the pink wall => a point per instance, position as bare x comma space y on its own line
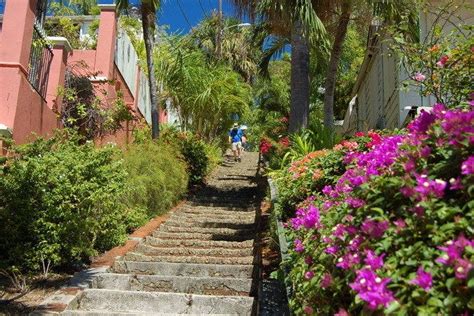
21, 108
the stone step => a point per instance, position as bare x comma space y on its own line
158, 303
184, 269
216, 211
152, 241
135, 256
202, 236
105, 313
246, 216
210, 223
191, 251
205, 230
226, 206
157, 283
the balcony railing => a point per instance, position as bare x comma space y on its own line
40, 60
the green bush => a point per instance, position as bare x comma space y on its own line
58, 203
157, 178
200, 157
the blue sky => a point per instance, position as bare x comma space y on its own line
181, 15
171, 14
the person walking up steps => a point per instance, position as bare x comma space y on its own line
235, 138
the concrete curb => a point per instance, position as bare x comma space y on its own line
282, 240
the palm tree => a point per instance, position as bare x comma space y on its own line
390, 11
300, 18
148, 10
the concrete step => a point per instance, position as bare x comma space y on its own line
210, 223
157, 242
158, 303
201, 236
246, 216
223, 207
192, 251
157, 283
184, 269
105, 313
217, 211
214, 218
205, 230
135, 256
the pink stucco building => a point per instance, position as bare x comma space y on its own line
30, 74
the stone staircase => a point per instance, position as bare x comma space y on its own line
202, 260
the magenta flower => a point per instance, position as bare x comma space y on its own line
355, 202
462, 268
348, 261
442, 62
298, 245
326, 281
422, 123
355, 243
373, 228
308, 260
419, 77
373, 261
332, 250
400, 224
309, 275
423, 279
455, 184
327, 190
312, 218
467, 167
308, 310
372, 289
342, 312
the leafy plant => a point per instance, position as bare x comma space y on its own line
59, 203
157, 178
84, 106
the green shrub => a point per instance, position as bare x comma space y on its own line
58, 203
157, 177
199, 156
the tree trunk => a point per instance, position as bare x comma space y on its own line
148, 23
336, 53
299, 106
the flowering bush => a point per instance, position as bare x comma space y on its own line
442, 64
386, 225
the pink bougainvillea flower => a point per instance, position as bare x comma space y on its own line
400, 224
359, 134
342, 312
355, 202
308, 260
355, 243
422, 123
326, 281
455, 184
332, 250
372, 289
312, 218
348, 261
298, 245
423, 279
419, 77
373, 228
462, 268
309, 275
372, 260
467, 167
442, 62
308, 310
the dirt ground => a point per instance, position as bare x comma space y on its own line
15, 303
